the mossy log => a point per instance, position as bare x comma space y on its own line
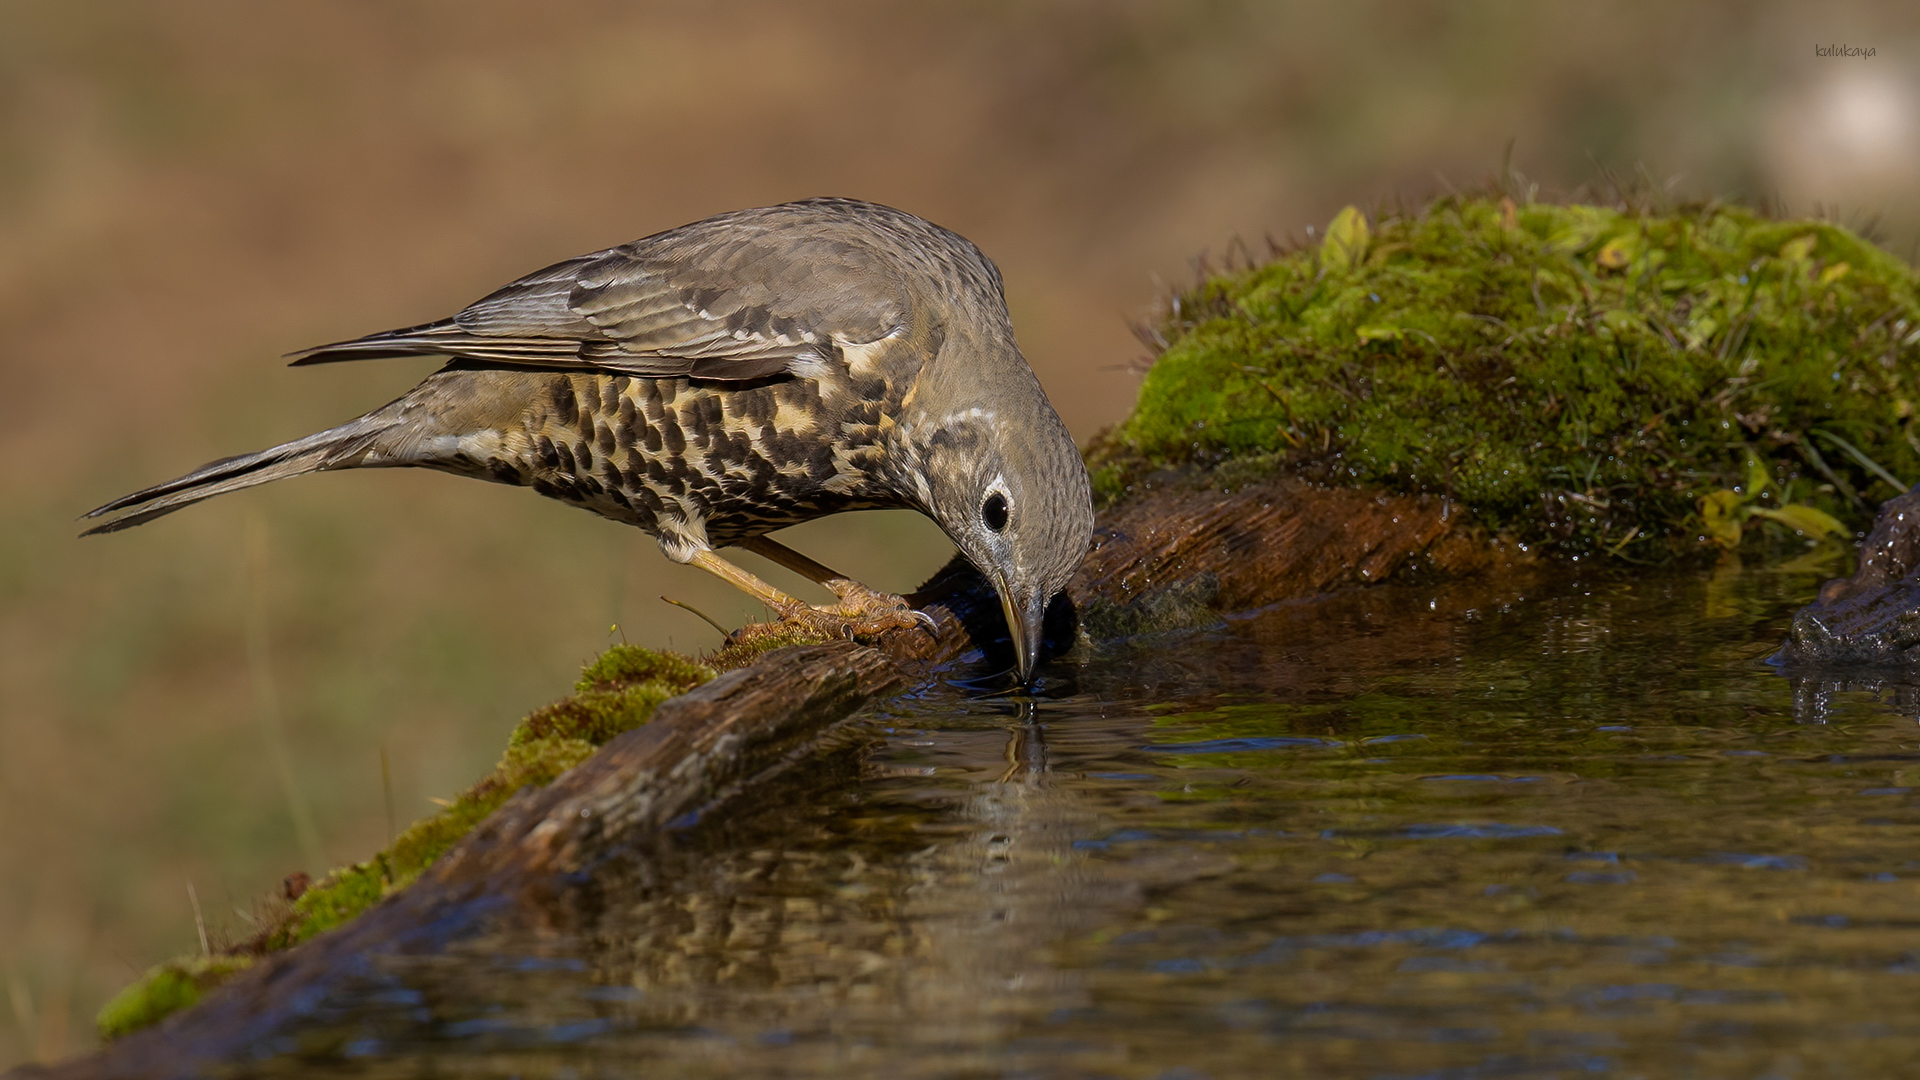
1175, 555
1329, 449
697, 748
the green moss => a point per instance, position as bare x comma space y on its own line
1577, 376
164, 990
350, 890
627, 665
754, 640
617, 692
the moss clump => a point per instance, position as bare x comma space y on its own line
616, 693
630, 665
754, 640
1577, 376
164, 990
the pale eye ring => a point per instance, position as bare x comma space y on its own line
994, 512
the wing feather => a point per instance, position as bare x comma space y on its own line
740, 296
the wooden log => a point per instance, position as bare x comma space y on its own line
697, 749
1184, 553
1177, 555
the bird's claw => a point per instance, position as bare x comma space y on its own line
861, 612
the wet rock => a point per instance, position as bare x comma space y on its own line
1872, 618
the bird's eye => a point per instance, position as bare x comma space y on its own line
994, 511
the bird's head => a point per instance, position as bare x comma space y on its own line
1007, 484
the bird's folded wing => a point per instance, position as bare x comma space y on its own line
719, 300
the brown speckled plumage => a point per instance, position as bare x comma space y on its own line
718, 381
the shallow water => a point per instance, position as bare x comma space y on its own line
1499, 830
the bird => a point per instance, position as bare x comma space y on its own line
718, 381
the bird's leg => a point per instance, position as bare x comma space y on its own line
856, 600
830, 620
781, 555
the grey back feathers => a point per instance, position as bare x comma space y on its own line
737, 297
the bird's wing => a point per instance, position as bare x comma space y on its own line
731, 298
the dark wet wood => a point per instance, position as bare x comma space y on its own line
1872, 618
1274, 541
1184, 554
697, 749
1175, 556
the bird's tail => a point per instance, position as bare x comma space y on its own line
336, 448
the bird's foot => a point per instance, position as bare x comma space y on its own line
858, 601
861, 612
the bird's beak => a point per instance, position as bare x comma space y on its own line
1025, 617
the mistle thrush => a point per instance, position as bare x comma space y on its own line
715, 382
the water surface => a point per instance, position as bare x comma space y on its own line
1512, 830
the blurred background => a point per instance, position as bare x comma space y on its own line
188, 190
